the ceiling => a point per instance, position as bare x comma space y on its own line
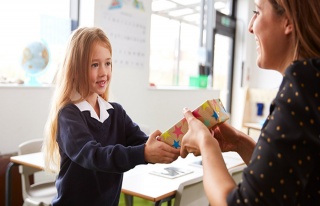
187, 11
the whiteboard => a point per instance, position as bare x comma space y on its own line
126, 25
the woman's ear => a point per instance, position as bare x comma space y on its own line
288, 26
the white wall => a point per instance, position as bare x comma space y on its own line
23, 113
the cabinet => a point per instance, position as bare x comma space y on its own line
16, 181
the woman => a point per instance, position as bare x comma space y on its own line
283, 167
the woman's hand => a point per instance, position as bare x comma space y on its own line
197, 133
231, 139
227, 137
159, 152
216, 178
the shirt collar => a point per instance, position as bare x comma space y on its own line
103, 105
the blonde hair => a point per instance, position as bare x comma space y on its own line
71, 78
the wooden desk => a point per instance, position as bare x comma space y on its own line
137, 181
140, 183
33, 160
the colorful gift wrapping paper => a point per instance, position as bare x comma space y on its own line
211, 113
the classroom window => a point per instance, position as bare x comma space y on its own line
177, 41
173, 55
26, 21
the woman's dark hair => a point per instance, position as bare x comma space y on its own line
305, 17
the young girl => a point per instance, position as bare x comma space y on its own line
91, 141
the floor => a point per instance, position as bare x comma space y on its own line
136, 201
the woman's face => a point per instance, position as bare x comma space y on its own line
271, 36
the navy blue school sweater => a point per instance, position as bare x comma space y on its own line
95, 153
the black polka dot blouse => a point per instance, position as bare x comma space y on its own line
285, 166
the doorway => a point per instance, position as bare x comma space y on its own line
223, 57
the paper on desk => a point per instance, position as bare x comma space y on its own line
171, 172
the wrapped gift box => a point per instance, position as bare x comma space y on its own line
210, 113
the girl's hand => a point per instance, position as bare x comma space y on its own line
159, 152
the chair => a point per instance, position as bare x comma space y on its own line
38, 187
250, 118
191, 193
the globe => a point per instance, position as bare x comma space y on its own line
35, 58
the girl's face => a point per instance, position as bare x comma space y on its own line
100, 70
271, 36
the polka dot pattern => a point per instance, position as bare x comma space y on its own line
285, 166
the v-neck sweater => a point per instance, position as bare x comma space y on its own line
95, 154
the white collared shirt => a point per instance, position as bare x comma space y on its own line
103, 105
